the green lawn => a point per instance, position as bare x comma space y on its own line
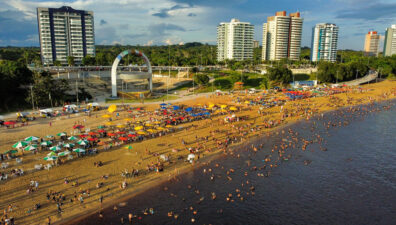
164, 97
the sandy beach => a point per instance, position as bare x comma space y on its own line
203, 134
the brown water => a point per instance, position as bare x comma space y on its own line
353, 182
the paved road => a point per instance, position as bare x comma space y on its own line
369, 77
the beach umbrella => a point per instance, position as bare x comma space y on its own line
78, 150
32, 138
72, 138
157, 122
51, 154
55, 148
148, 125
65, 153
106, 116
176, 107
10, 151
82, 142
30, 148
83, 135
101, 127
168, 126
109, 123
163, 104
46, 143
78, 126
50, 158
129, 147
68, 145
92, 133
120, 132
223, 106
61, 134
112, 108
190, 157
189, 109
139, 128
122, 138
128, 119
141, 132
111, 134
233, 108
160, 128
151, 130
101, 131
121, 126
49, 136
92, 139
20, 144
9, 123
131, 135
247, 102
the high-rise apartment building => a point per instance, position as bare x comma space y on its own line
256, 44
235, 40
390, 41
324, 42
65, 32
371, 44
282, 36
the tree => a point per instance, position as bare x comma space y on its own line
57, 63
70, 60
201, 79
280, 74
88, 60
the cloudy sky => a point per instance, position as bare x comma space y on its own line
159, 22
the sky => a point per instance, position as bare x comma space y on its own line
162, 22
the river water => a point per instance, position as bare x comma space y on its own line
347, 178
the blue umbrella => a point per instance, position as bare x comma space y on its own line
206, 113
175, 107
189, 109
162, 104
203, 109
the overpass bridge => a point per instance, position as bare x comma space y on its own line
371, 76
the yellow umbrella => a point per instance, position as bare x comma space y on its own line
223, 106
148, 125
127, 119
142, 132
160, 128
120, 126
106, 116
211, 105
168, 126
247, 102
151, 130
112, 108
157, 122
109, 123
233, 108
138, 128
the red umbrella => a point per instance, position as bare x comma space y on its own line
9, 123
101, 131
131, 135
92, 133
121, 132
78, 126
122, 138
92, 139
111, 134
83, 135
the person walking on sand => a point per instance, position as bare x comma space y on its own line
49, 220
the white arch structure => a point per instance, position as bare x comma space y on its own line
148, 75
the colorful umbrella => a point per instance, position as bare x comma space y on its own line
20, 144
65, 153
111, 134
106, 116
68, 145
32, 138
46, 143
129, 147
122, 138
78, 126
141, 132
78, 150
101, 131
55, 148
61, 134
49, 136
10, 152
51, 154
82, 142
93, 133
50, 158
112, 108
30, 148
72, 138
139, 128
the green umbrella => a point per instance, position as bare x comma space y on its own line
68, 145
50, 158
61, 134
51, 154
78, 150
65, 153
30, 148
129, 147
32, 138
46, 143
55, 148
49, 136
82, 142
20, 144
101, 127
11, 151
72, 138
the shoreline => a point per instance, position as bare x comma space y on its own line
188, 168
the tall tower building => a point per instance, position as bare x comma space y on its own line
324, 42
390, 41
235, 40
65, 32
371, 44
282, 36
